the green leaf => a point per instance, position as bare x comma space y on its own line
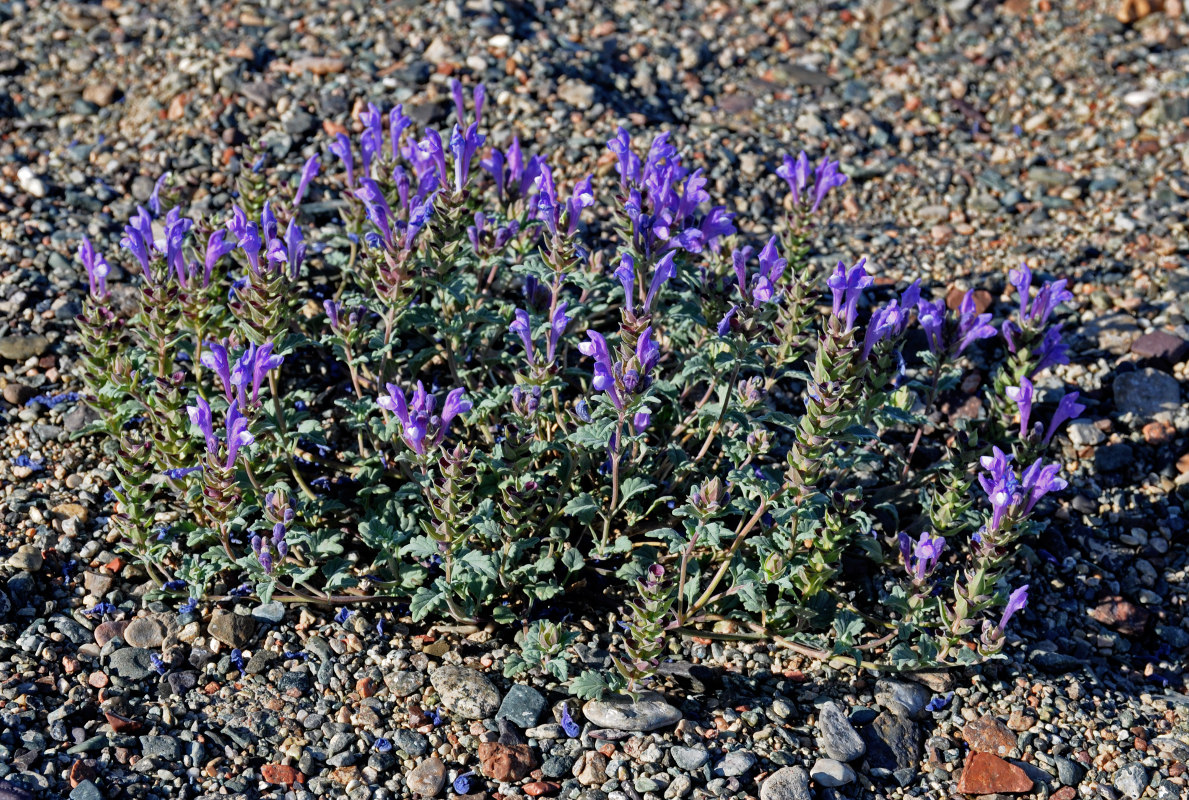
582, 507
590, 685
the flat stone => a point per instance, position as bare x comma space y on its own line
893, 742
1121, 615
839, 738
1084, 433
735, 763
1114, 332
1131, 780
830, 773
987, 734
1146, 392
132, 663
787, 783
1161, 346
145, 632
106, 631
404, 683
903, 698
505, 763
233, 630
689, 758
522, 705
427, 778
984, 773
10, 791
163, 747
86, 790
466, 692
622, 714
27, 557
281, 774
22, 348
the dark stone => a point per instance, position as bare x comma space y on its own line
893, 743
1113, 457
1162, 346
693, 678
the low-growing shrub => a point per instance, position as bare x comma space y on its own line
468, 398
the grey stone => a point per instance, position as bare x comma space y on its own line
839, 738
787, 783
84, 791
1114, 457
466, 692
269, 612
622, 714
831, 773
1146, 392
905, 699
404, 683
735, 763
413, 743
893, 742
164, 747
689, 758
522, 705
145, 632
27, 557
1131, 780
132, 663
576, 93
1084, 434
234, 630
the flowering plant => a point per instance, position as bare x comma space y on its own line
464, 398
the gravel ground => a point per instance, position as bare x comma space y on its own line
977, 134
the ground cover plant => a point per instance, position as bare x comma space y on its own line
494, 395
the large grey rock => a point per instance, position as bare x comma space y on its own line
893, 742
234, 630
622, 714
522, 705
132, 663
1146, 393
787, 783
1131, 780
902, 697
466, 692
735, 763
839, 738
689, 758
831, 773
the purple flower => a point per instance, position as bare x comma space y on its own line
251, 369
825, 178
135, 242
200, 416
343, 614
629, 162
522, 328
188, 606
333, 309
796, 174
176, 228
372, 139
647, 352
464, 145
926, 552
97, 268
308, 173
341, 147
238, 435
724, 324
641, 421
972, 325
416, 416
1052, 350
1068, 408
214, 357
397, 122
216, 248
1015, 603
567, 722
155, 197
157, 664
847, 286
603, 373
237, 659
376, 207
582, 197
1022, 396
557, 326
663, 271
382, 745
248, 236
295, 248
1038, 480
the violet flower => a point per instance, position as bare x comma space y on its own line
1022, 396
97, 268
308, 173
216, 248
416, 417
1067, 408
376, 207
214, 357
972, 325
724, 324
662, 272
155, 197
604, 375
341, 147
372, 139
463, 146
295, 248
629, 162
557, 326
1038, 480
200, 416
238, 435
796, 174
847, 286
397, 122
825, 178
568, 725
521, 327
1015, 603
248, 236
890, 321
925, 554
251, 370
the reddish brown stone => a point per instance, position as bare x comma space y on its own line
81, 771
505, 763
984, 773
366, 687
1121, 615
281, 773
1064, 793
121, 724
97, 680
954, 297
989, 735
1158, 432
538, 788
106, 631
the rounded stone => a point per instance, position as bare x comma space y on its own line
466, 692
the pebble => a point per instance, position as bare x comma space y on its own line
466, 692
145, 632
621, 713
427, 778
27, 557
787, 783
132, 663
1131, 780
523, 705
830, 773
1146, 393
232, 629
689, 758
31, 182
839, 739
984, 773
735, 763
